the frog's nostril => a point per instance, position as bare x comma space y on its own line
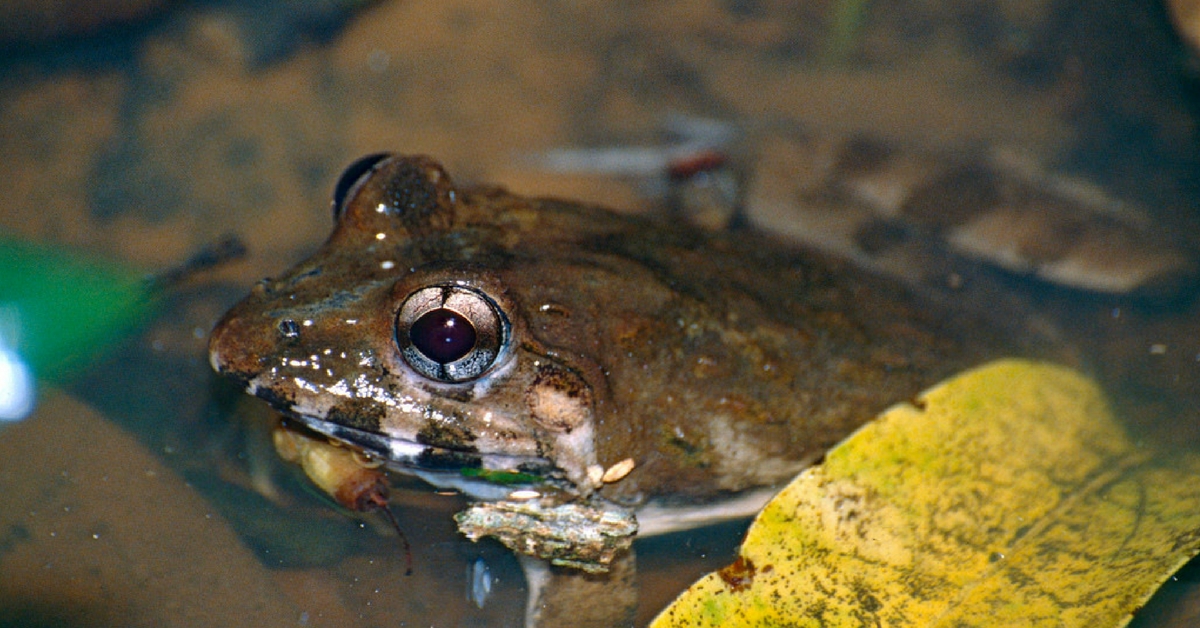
289, 329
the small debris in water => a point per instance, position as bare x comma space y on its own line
618, 471
479, 582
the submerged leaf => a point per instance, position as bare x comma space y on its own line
1011, 497
59, 308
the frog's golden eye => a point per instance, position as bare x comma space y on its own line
450, 333
350, 176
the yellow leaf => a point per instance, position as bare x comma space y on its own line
1010, 498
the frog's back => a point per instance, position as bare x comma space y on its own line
721, 361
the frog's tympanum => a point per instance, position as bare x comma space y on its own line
565, 366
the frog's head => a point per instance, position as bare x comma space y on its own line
400, 337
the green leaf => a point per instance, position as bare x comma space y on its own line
501, 477
59, 308
1010, 498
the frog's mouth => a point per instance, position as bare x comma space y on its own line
479, 475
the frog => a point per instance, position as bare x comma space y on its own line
609, 371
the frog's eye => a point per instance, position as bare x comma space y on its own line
450, 333
351, 175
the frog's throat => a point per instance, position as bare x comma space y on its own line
438, 466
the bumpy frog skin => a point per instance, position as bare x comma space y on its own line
460, 332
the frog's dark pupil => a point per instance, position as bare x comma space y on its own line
442, 335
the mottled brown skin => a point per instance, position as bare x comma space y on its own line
718, 362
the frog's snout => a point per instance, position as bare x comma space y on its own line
218, 341
235, 347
